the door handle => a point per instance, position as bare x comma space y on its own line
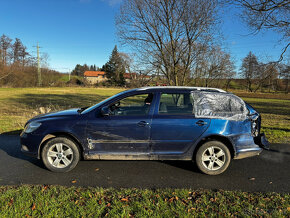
201, 123
142, 123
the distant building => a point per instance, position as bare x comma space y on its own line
94, 77
130, 76
134, 76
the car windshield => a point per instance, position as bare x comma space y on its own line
102, 102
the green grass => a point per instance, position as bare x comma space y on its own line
20, 104
59, 201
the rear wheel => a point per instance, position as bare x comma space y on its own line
213, 158
60, 154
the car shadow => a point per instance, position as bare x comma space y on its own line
10, 144
185, 165
277, 151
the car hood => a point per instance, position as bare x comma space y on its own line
64, 113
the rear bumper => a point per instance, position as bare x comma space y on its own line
248, 152
262, 141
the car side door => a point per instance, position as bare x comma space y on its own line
126, 130
174, 128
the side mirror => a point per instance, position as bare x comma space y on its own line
105, 111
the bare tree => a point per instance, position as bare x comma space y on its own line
267, 75
215, 64
284, 70
166, 32
267, 14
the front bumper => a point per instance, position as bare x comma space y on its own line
30, 144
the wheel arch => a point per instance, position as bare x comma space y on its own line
225, 140
60, 134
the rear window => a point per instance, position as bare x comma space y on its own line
219, 105
176, 103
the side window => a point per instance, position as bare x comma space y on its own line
134, 105
179, 103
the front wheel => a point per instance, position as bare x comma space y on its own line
213, 158
60, 154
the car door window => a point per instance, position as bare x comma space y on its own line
176, 103
135, 105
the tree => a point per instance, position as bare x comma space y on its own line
5, 45
115, 69
93, 67
284, 70
19, 52
213, 64
250, 70
266, 14
80, 70
166, 32
268, 73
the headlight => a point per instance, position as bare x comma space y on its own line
30, 127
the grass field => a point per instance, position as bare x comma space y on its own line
20, 104
58, 201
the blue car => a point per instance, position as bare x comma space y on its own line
205, 125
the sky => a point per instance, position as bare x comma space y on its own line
83, 31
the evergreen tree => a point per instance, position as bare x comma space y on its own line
115, 69
77, 70
80, 69
17, 50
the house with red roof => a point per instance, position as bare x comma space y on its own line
94, 77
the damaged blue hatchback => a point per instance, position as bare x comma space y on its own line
205, 125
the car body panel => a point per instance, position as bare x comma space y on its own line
163, 137
175, 134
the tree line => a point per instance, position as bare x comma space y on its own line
18, 67
178, 39
176, 42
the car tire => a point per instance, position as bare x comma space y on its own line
60, 154
213, 158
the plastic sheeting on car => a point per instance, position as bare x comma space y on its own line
219, 106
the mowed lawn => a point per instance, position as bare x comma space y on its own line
17, 105
58, 201
20, 104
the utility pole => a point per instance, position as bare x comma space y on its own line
38, 66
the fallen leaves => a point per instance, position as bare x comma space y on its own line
124, 200
10, 202
33, 207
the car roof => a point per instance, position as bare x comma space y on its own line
161, 88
